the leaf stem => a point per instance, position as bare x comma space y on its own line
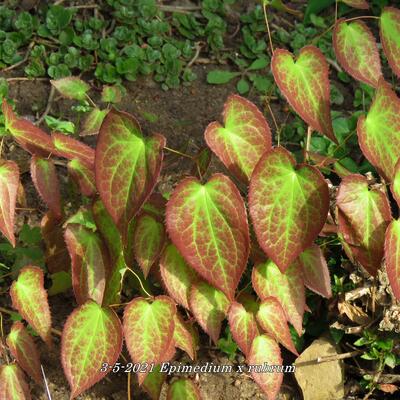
308, 143
361, 17
90, 100
268, 30
140, 281
178, 152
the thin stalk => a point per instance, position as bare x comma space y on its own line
268, 30
140, 282
308, 143
178, 152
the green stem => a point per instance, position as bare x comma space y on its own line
140, 282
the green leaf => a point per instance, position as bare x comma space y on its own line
93, 121
71, 87
243, 139
243, 86
357, 51
183, 388
149, 330
61, 282
209, 306
260, 63
219, 77
92, 336
392, 256
213, 217
379, 132
305, 84
288, 205
59, 125
111, 94
127, 166
12, 383
390, 36
184, 337
30, 299
83, 176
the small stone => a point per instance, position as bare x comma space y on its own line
237, 382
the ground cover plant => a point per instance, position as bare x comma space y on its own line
239, 248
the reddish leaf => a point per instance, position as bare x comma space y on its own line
70, 148
149, 330
71, 87
389, 32
154, 382
183, 388
92, 336
208, 225
93, 121
315, 271
243, 326
83, 176
28, 136
305, 84
395, 186
243, 139
266, 350
363, 219
379, 131
183, 336
90, 263
9, 182
209, 306
12, 383
272, 320
357, 51
287, 287
23, 349
29, 297
177, 276
392, 256
361, 4
288, 205
127, 166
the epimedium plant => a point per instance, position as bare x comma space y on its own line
208, 242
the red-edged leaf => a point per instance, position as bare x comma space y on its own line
127, 166
209, 306
148, 241
90, 263
83, 176
265, 350
272, 320
93, 121
395, 186
149, 330
9, 182
288, 288
243, 326
392, 256
315, 271
92, 336
29, 297
243, 139
71, 87
44, 177
176, 275
357, 51
208, 225
379, 131
360, 4
363, 219
288, 204
305, 84
154, 382
390, 34
12, 383
183, 388
29, 137
70, 148
183, 336
23, 349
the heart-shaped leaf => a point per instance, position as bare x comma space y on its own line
209, 306
127, 166
272, 320
392, 256
44, 177
390, 36
363, 219
148, 241
177, 276
243, 139
287, 287
288, 205
154, 382
83, 176
29, 297
93, 121
212, 217
315, 271
305, 84
23, 349
379, 131
26, 134
71, 87
9, 182
360, 4
243, 326
92, 336
12, 383
357, 51
149, 330
266, 350
183, 388
183, 336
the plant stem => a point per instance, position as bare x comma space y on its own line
48, 106
336, 357
308, 143
178, 152
140, 282
269, 32
361, 17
